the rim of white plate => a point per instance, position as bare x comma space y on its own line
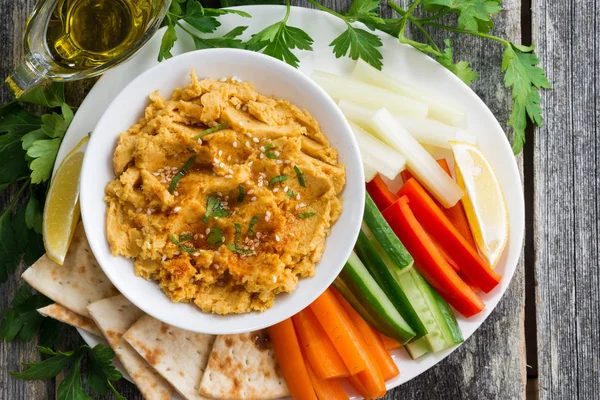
397, 59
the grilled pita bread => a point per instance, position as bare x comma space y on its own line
114, 316
77, 283
243, 367
179, 356
63, 314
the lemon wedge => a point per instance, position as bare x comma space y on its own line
61, 211
484, 202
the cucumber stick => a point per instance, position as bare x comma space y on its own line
447, 326
357, 279
418, 348
385, 277
387, 239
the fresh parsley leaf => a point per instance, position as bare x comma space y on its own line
19, 122
196, 17
34, 214
14, 164
34, 249
291, 193
52, 96
268, 153
525, 78
242, 194
8, 257
184, 170
22, 321
358, 43
278, 40
235, 246
306, 215
45, 369
214, 208
215, 237
211, 130
474, 15
43, 153
31, 137
462, 69
101, 370
182, 246
70, 388
228, 40
186, 237
277, 179
235, 3
253, 222
168, 40
300, 176
365, 12
55, 125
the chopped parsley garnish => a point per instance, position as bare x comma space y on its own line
183, 247
242, 194
186, 236
188, 164
306, 215
291, 193
211, 130
253, 222
276, 179
214, 208
268, 153
300, 176
235, 246
215, 236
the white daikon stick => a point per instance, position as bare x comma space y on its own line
439, 109
370, 173
420, 162
378, 155
426, 131
355, 91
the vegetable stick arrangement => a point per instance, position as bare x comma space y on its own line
422, 254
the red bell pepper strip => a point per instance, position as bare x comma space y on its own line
429, 261
380, 193
448, 237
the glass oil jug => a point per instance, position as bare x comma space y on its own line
75, 39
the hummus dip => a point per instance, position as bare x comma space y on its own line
224, 196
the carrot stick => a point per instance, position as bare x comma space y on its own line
358, 385
406, 174
326, 389
343, 335
317, 348
389, 343
429, 261
432, 218
380, 193
289, 357
382, 358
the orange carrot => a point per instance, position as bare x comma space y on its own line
389, 343
289, 356
382, 358
435, 222
343, 335
406, 174
358, 385
429, 261
317, 348
380, 193
326, 389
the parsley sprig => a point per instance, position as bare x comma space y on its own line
214, 208
278, 40
100, 376
235, 246
199, 22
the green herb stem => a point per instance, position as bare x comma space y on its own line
468, 32
327, 10
16, 197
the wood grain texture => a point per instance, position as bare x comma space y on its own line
566, 201
489, 365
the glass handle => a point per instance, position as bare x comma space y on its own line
27, 75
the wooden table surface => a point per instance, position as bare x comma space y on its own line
543, 338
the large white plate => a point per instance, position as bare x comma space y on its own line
399, 60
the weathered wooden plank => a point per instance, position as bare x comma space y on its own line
491, 364
495, 348
12, 23
566, 201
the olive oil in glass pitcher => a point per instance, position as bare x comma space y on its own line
74, 39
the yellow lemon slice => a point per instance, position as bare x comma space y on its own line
484, 202
61, 211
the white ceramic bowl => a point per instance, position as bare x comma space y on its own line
270, 77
